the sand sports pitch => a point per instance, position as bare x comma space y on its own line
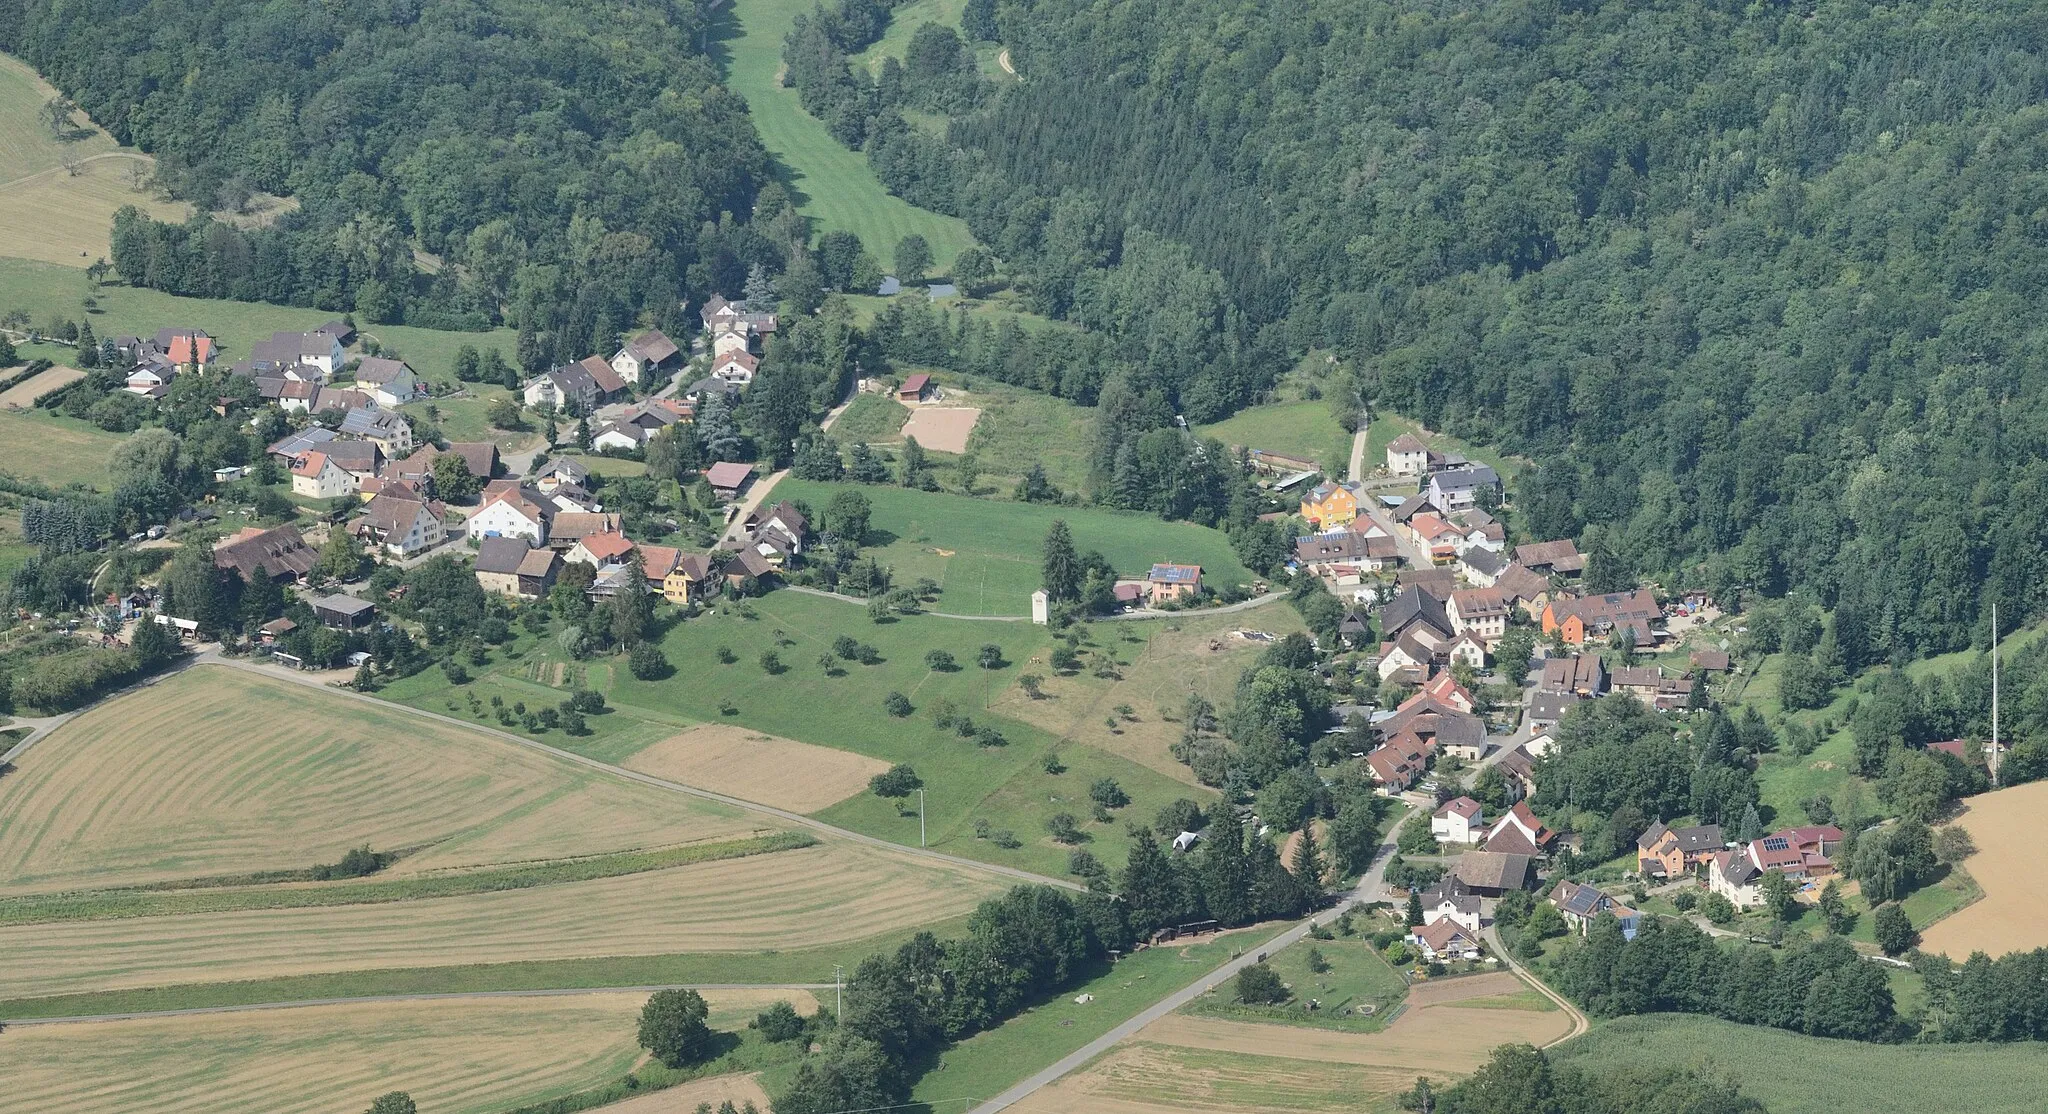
1182, 1062
829, 894
2013, 915
459, 1056
942, 428
752, 766
216, 771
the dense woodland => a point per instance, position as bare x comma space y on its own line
579, 162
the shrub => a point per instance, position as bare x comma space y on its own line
1259, 985
726, 656
780, 1022
897, 781
1685, 900
1005, 839
647, 663
897, 704
356, 863
939, 661
1717, 909
988, 736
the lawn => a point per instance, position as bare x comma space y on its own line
833, 185
987, 1063
1356, 976
1020, 428
45, 290
54, 450
986, 554
1386, 426
1304, 429
1793, 1074
58, 196
464, 418
873, 419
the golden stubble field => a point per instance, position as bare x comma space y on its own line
747, 764
1197, 654
829, 894
215, 771
2013, 914
455, 1056
1183, 1063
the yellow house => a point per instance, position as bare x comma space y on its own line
689, 574
1329, 505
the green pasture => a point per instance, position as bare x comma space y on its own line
1356, 976
1304, 429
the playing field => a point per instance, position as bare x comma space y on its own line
463, 1055
55, 451
2013, 916
23, 395
1793, 1074
755, 767
792, 899
833, 185
986, 555
1304, 429
943, 429
1168, 660
58, 195
216, 771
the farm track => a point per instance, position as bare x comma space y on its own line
212, 657
1124, 617
253, 1007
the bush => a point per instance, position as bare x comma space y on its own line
1258, 985
1064, 829
897, 704
897, 781
357, 863
647, 663
1685, 900
780, 1022
939, 661
1005, 839
1717, 909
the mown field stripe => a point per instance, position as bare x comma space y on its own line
98, 905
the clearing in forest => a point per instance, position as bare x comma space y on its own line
752, 766
459, 1056
2013, 916
216, 771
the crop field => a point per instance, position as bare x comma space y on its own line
475, 1055
756, 767
216, 772
2013, 916
24, 395
55, 451
1168, 659
986, 555
686, 1098
1004, 785
1794, 1074
833, 185
58, 195
1304, 429
45, 290
1141, 1077
821, 895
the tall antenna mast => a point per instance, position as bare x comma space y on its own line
1994, 694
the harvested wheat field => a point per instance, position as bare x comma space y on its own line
942, 428
685, 1098
23, 395
214, 771
2013, 915
746, 764
460, 1056
1201, 654
1140, 1077
792, 899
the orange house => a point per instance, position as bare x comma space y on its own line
1329, 505
1598, 616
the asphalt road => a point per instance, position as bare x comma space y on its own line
1368, 885
255, 1006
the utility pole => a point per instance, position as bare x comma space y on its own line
838, 992
920, 805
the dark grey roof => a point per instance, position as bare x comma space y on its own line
1414, 605
1465, 476
1483, 560
500, 555
343, 605
1550, 707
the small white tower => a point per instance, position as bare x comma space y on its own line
1041, 607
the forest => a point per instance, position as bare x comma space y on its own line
1748, 282
568, 168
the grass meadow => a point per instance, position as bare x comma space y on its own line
1356, 976
54, 450
1793, 1074
1304, 429
833, 185
985, 554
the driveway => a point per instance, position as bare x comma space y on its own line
763, 487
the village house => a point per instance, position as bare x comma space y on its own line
1639, 681
748, 565
1491, 873
1665, 852
1399, 762
1407, 456
1580, 674
1559, 558
577, 388
650, 352
1582, 905
1710, 661
360, 459
1456, 488
1528, 590
1800, 854
497, 563
390, 382
1329, 505
1445, 690
1405, 659
1433, 533
511, 510
1482, 566
570, 527
313, 356
1173, 582
1519, 832
1437, 582
560, 470
1332, 554
1481, 612
1444, 940
1459, 820
185, 347
1547, 709
387, 429
621, 437
294, 445
1467, 651
1418, 612
400, 522
735, 368
599, 550
1451, 899
279, 553
728, 479
1518, 767
1577, 619
726, 341
686, 581
316, 476
344, 613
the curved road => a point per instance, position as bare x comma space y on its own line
212, 657
449, 996
1580, 1024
